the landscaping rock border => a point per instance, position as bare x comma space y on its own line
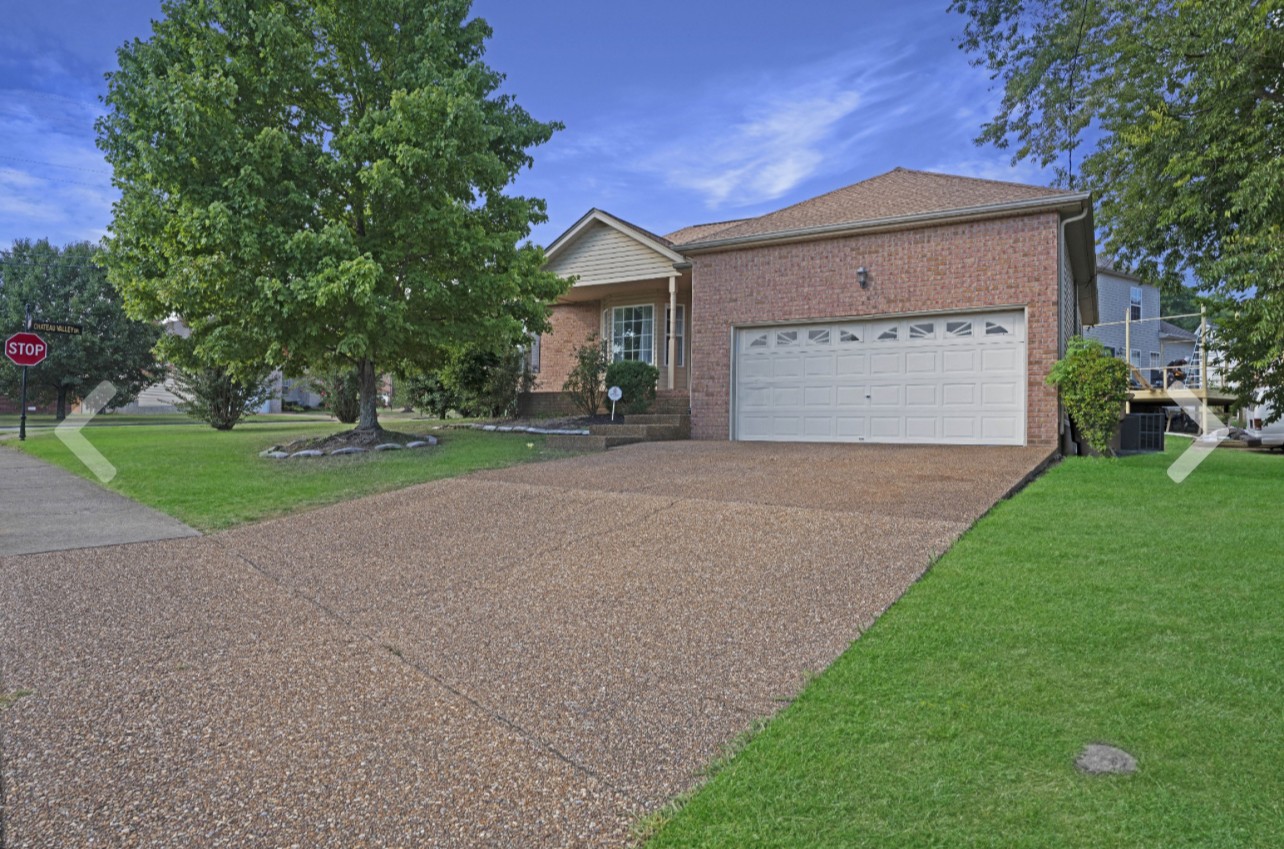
546, 431
275, 452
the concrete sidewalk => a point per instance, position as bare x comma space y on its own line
43, 508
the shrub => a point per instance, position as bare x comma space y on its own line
636, 380
340, 394
428, 394
484, 382
214, 395
1094, 387
584, 383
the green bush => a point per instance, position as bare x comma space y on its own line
340, 394
427, 394
215, 396
1094, 387
636, 380
486, 383
584, 383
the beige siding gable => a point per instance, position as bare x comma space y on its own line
603, 254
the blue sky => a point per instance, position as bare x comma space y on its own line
676, 113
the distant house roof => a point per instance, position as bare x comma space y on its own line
898, 194
1168, 330
1113, 272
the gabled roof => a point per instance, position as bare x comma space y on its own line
1168, 330
899, 194
659, 244
1122, 275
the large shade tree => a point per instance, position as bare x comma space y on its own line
67, 285
1175, 112
321, 185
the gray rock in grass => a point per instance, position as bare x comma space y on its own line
1103, 759
351, 449
389, 446
309, 452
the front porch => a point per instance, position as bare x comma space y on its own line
632, 291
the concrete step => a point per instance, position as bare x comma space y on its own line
587, 442
648, 432
679, 419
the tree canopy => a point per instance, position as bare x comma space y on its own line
1177, 107
67, 285
322, 185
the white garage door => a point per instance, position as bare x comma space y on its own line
942, 378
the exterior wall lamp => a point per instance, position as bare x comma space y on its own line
862, 275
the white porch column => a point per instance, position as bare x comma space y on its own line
672, 325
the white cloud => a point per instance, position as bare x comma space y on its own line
996, 165
777, 146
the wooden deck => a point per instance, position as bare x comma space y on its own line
1212, 397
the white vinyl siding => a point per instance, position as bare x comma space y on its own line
1069, 301
605, 255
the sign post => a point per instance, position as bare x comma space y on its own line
615, 394
25, 349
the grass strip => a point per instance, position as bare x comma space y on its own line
1104, 603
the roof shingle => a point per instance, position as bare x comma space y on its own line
899, 192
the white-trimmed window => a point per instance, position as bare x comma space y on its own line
532, 354
633, 333
1134, 302
1136, 357
1154, 359
679, 333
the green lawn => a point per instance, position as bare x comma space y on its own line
1102, 604
214, 480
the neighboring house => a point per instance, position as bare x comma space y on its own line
911, 307
1131, 326
1129, 311
161, 397
1176, 343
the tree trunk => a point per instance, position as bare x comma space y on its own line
367, 387
62, 403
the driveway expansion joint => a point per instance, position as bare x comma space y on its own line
400, 657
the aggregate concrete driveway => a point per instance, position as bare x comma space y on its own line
529, 657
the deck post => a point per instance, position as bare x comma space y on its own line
1203, 367
1128, 349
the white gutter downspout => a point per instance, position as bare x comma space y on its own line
1062, 418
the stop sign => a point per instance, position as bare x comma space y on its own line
25, 349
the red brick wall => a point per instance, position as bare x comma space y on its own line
1005, 262
571, 325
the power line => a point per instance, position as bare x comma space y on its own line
53, 164
47, 179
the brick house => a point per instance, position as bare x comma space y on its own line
911, 307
